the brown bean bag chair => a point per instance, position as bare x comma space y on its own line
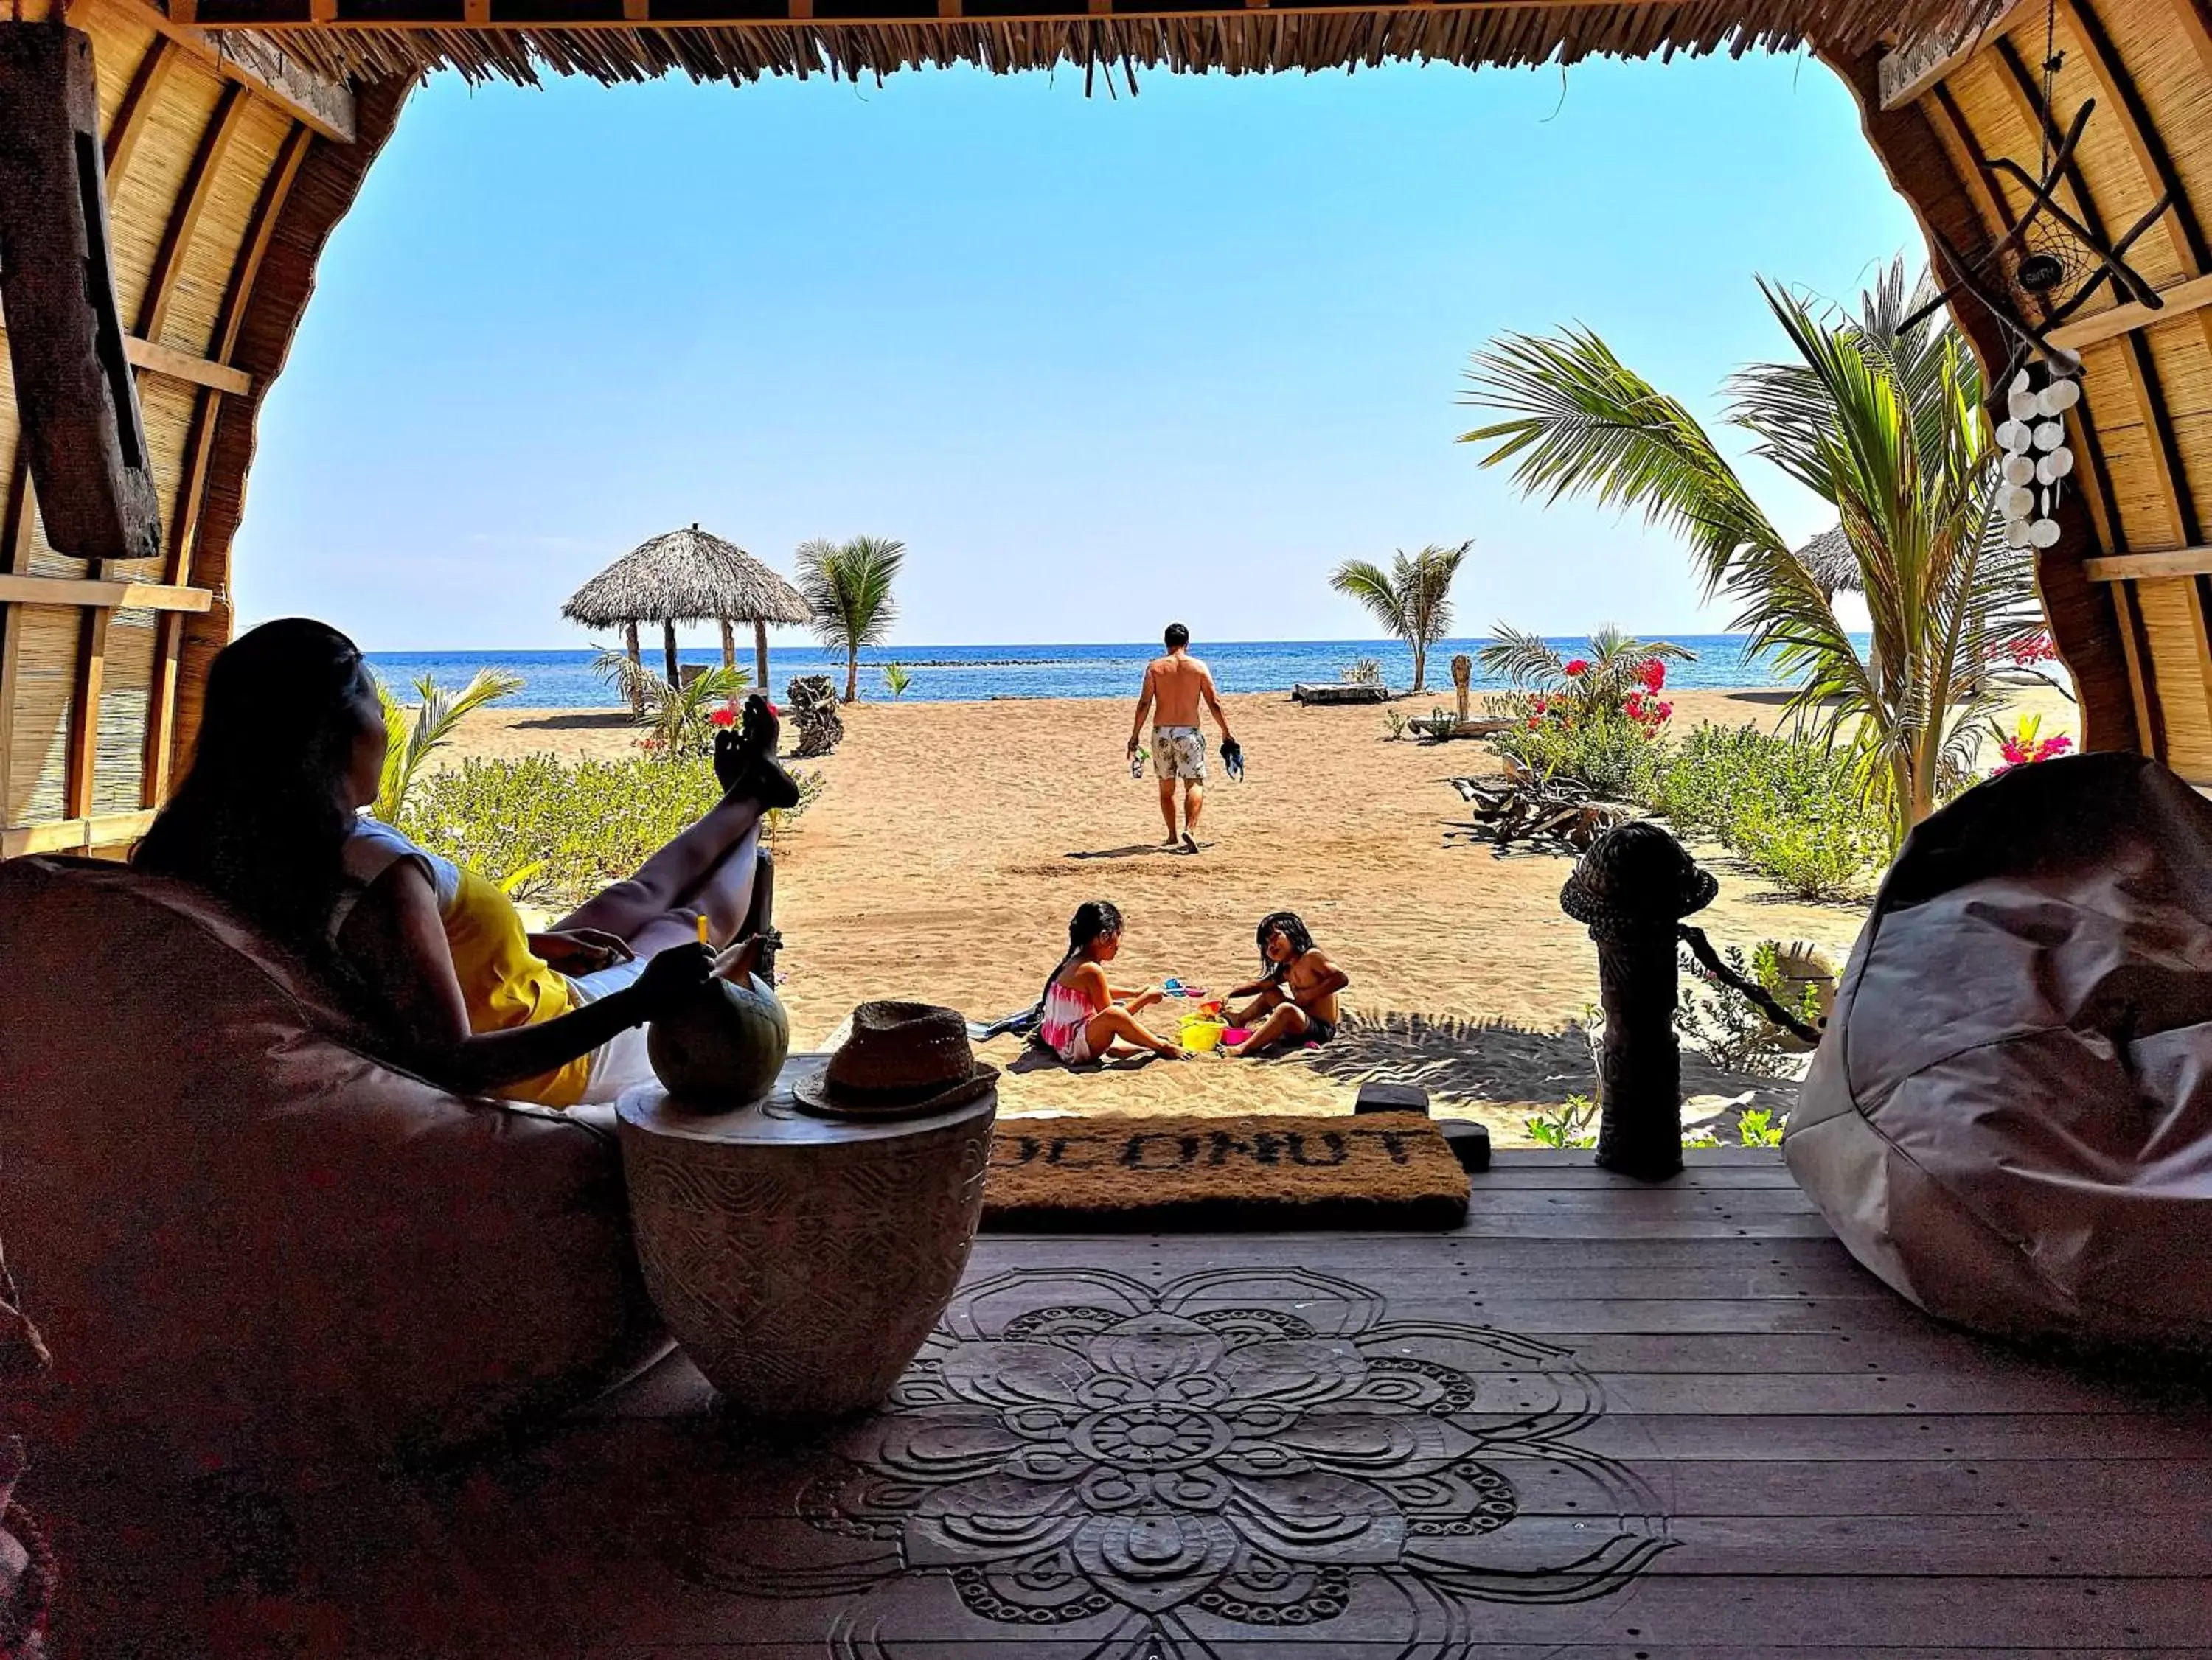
247, 1244
2009, 1118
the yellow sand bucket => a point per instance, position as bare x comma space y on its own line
1200, 1035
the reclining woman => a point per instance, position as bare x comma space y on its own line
1294, 999
435, 961
1082, 1018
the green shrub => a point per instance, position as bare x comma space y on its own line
1731, 1031
1790, 806
560, 831
1617, 758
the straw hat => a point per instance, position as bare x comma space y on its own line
900, 1060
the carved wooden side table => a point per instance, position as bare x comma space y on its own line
802, 1261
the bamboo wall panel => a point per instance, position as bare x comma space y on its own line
119, 771
140, 202
2171, 624
44, 669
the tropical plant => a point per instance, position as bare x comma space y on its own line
412, 736
848, 586
1786, 802
1393, 724
1573, 1123
2026, 744
1367, 671
1730, 1030
1622, 675
897, 679
1883, 420
553, 831
675, 723
1411, 599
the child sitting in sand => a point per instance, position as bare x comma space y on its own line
1296, 1000
1082, 1016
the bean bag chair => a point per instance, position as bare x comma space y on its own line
2009, 1117
250, 1246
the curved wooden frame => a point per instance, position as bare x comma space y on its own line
230, 164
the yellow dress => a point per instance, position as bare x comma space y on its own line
503, 982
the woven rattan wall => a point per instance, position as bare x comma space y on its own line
221, 188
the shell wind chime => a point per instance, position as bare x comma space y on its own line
2037, 458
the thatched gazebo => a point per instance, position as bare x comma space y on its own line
1834, 565
689, 575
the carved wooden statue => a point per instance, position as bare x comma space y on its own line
1462, 671
1630, 889
86, 442
812, 706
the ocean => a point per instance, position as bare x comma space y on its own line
971, 674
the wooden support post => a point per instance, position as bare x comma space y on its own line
637, 661
84, 713
1630, 890
668, 646
73, 386
760, 657
729, 644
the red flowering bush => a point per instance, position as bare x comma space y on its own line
2027, 653
727, 715
1579, 668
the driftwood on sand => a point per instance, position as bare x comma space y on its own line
1549, 815
812, 702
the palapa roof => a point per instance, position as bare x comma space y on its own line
744, 39
1829, 557
689, 575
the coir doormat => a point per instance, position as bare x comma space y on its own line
1389, 1170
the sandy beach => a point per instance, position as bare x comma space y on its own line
954, 840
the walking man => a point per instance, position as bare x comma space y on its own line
1174, 686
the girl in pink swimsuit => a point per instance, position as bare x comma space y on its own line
1082, 1016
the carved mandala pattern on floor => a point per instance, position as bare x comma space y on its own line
1163, 1470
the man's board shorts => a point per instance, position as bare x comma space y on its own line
1179, 752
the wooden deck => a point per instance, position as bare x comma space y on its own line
1603, 1420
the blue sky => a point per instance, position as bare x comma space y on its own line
1099, 361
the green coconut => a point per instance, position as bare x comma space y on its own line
724, 1046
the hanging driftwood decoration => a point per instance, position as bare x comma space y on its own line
80, 410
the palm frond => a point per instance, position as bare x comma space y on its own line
411, 736
1582, 423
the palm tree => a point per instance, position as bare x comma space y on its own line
849, 588
412, 735
1884, 421
1411, 599
1612, 669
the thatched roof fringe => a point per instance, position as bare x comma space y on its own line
1232, 43
686, 576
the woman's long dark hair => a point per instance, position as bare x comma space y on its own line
1093, 920
1294, 930
261, 818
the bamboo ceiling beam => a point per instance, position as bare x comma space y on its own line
157, 359
102, 594
185, 214
2133, 567
2181, 299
